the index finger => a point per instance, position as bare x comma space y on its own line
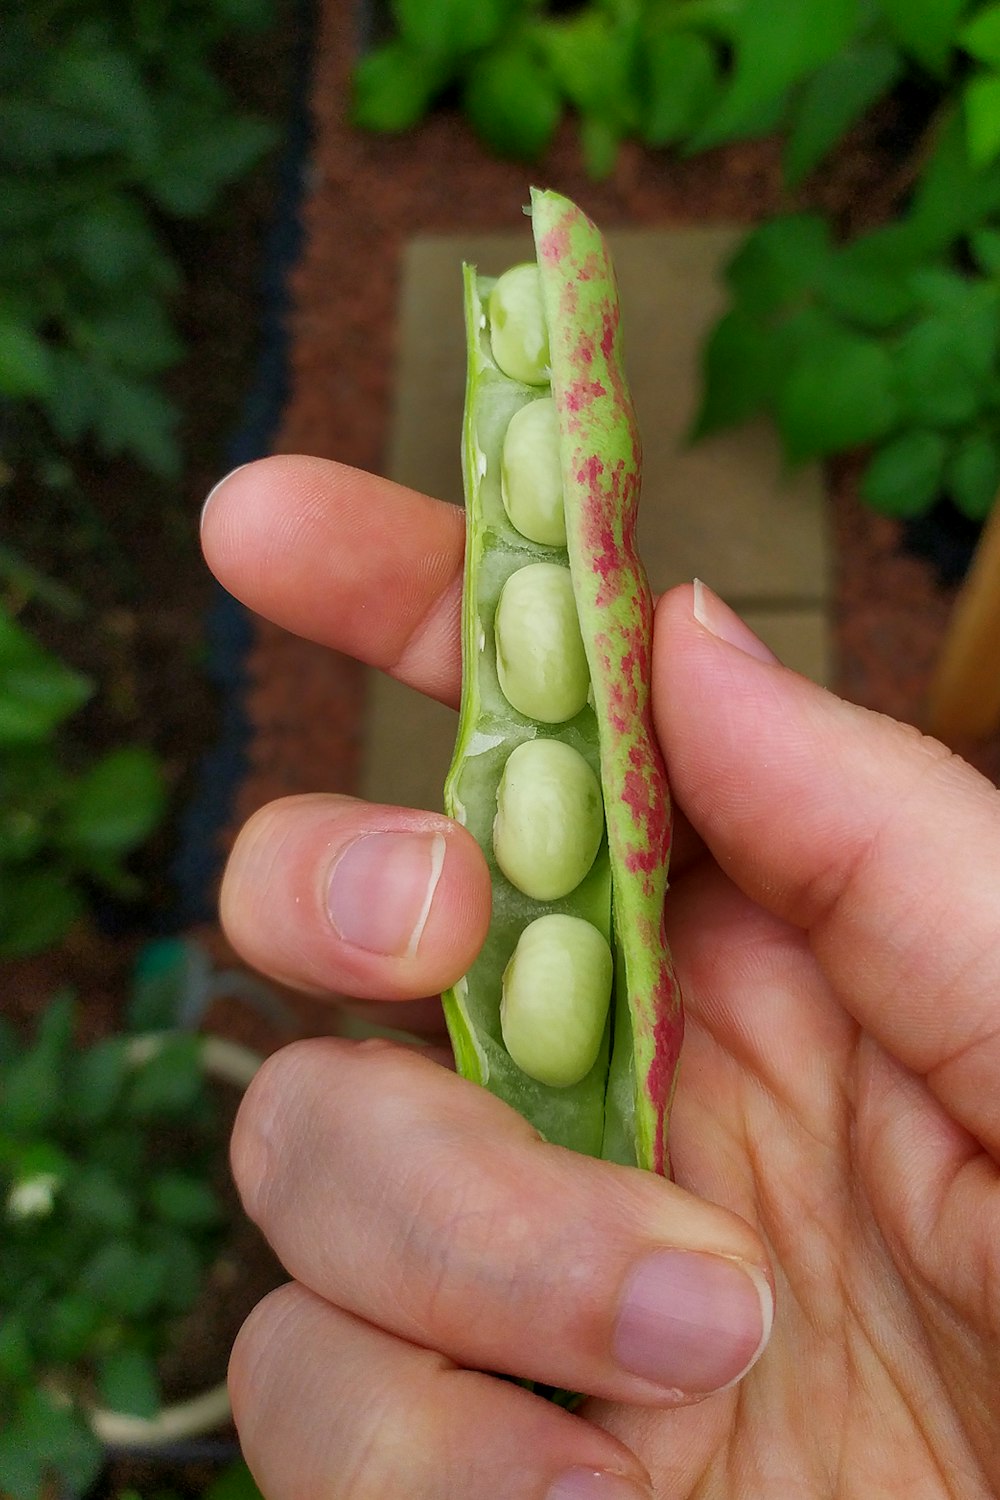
346, 559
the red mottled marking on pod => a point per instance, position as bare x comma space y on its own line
582, 392
555, 244
602, 483
668, 1031
591, 268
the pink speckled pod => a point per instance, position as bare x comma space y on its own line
602, 469
620, 1110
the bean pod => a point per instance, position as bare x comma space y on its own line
571, 1012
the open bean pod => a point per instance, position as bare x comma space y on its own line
570, 1013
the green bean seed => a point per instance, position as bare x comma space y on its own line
531, 483
518, 333
555, 999
550, 819
541, 662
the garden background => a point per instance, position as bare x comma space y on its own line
209, 217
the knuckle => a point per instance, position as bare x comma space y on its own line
254, 1352
262, 1124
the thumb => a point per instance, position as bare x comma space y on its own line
873, 838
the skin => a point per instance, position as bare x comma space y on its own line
836, 1126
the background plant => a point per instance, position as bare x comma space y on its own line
113, 121
890, 339
110, 1220
67, 825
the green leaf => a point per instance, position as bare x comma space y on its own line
780, 264
718, 18
37, 690
17, 1361
394, 86
134, 416
953, 196
599, 142
56, 1025
75, 395
512, 102
451, 28
246, 15
25, 367
981, 35
70, 1324
116, 804
836, 393
926, 29
22, 1465
132, 333
834, 99
904, 477
985, 247
864, 290
738, 373
680, 80
197, 163
170, 1082
118, 1276
973, 475
128, 1383
184, 1201
97, 1078
35, 134
184, 1269
939, 289
37, 909
591, 59
104, 82
119, 1147
777, 43
45, 1436
937, 377
234, 1483
114, 244
97, 1197
21, 834
982, 117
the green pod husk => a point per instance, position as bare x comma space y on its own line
620, 1109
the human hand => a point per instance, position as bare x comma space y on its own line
833, 918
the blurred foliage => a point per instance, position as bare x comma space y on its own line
113, 120
890, 340
64, 827
233, 1483
109, 1223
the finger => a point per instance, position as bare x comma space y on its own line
876, 840
356, 563
327, 893
426, 1206
341, 557
327, 1405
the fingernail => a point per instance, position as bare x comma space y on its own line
596, 1484
693, 1323
215, 490
381, 888
721, 621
